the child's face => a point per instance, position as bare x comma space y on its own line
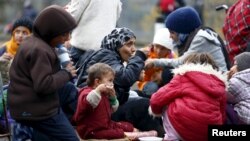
232, 70
108, 79
142, 75
161, 51
20, 33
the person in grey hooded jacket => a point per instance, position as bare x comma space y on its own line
189, 37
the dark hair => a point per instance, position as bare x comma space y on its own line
201, 58
97, 71
24, 21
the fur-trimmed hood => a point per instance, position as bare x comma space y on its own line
208, 69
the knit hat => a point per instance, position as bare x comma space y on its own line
26, 22
242, 61
183, 20
162, 37
53, 21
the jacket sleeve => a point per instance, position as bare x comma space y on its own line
234, 88
48, 80
83, 108
196, 46
77, 7
127, 75
165, 95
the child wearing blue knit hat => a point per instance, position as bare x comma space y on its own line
189, 37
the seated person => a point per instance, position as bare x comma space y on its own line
96, 102
157, 76
238, 90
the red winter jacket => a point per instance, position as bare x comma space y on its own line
195, 98
96, 123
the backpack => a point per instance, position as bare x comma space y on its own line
167, 6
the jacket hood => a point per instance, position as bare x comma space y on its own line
204, 77
209, 35
243, 76
53, 21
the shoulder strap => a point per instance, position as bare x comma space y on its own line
188, 41
223, 48
191, 37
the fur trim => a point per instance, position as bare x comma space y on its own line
153, 114
208, 69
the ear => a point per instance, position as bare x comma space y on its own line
97, 82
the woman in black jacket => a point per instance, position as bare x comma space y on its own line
118, 50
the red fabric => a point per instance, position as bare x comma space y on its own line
96, 123
236, 28
194, 101
167, 5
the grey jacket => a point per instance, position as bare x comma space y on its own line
203, 41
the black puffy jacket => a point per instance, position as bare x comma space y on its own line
126, 75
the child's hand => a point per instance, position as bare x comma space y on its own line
112, 92
71, 69
6, 57
107, 89
101, 88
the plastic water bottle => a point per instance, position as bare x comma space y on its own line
63, 55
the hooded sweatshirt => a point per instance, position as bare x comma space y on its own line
35, 74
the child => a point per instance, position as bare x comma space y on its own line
96, 103
35, 94
156, 77
238, 87
192, 100
22, 28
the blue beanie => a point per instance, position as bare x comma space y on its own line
183, 20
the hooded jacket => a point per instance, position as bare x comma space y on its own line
238, 88
35, 74
195, 98
204, 41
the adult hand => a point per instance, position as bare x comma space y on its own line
145, 50
149, 63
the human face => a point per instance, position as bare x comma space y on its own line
107, 79
127, 50
61, 39
174, 36
20, 33
232, 70
161, 51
